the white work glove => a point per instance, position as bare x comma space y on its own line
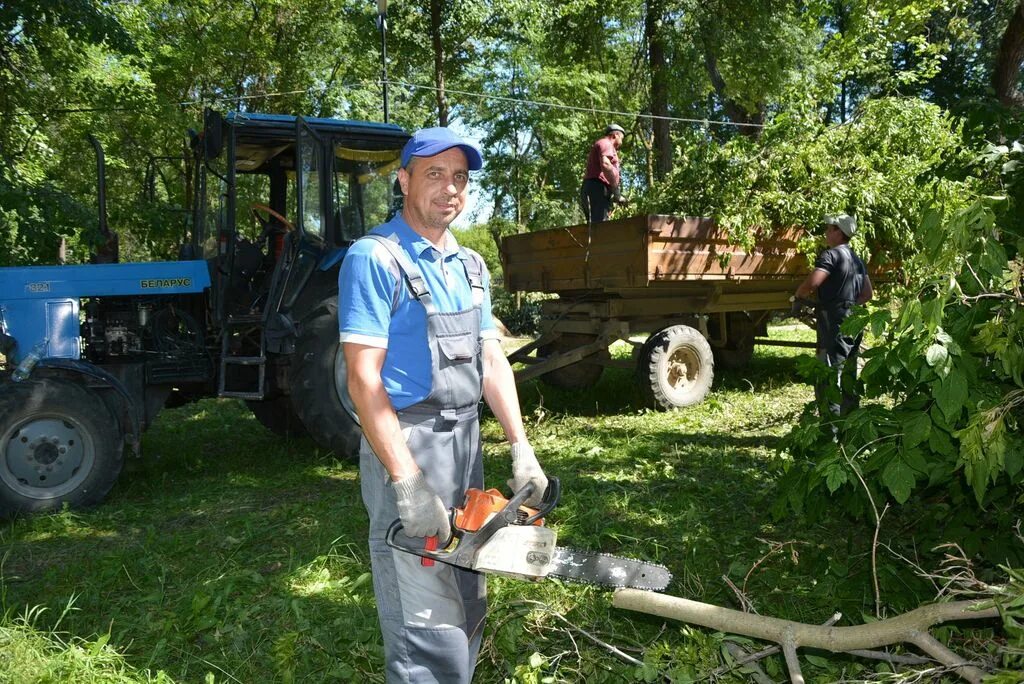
420, 508
526, 469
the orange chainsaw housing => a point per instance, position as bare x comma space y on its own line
482, 505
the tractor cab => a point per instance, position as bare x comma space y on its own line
279, 199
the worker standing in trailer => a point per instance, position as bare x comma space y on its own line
601, 179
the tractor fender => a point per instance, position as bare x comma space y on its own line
131, 407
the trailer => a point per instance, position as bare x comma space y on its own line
700, 300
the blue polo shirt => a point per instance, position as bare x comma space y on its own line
376, 308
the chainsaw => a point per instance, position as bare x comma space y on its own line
492, 534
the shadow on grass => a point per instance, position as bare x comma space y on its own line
618, 390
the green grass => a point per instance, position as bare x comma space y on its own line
232, 555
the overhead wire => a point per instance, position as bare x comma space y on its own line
406, 84
575, 108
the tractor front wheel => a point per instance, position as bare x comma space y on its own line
319, 383
59, 444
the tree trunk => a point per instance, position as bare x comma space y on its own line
436, 11
659, 88
1006, 74
732, 109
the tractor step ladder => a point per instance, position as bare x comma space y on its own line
227, 360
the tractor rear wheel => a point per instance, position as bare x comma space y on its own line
676, 368
278, 416
319, 385
59, 444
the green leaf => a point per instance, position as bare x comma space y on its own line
1013, 462
915, 459
879, 320
940, 443
898, 478
916, 428
911, 316
972, 457
817, 661
835, 477
931, 310
936, 355
934, 237
951, 394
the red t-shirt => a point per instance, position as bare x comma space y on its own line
602, 148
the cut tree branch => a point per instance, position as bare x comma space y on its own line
911, 627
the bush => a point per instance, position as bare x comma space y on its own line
942, 427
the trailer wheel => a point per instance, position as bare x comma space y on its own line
579, 375
319, 391
278, 416
739, 347
676, 368
59, 444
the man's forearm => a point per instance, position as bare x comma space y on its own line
811, 283
381, 427
500, 393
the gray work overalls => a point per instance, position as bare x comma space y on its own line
432, 617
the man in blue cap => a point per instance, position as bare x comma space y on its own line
421, 348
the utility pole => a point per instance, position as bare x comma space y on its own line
382, 23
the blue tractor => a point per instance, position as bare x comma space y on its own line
94, 351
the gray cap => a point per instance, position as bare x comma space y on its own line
844, 222
614, 128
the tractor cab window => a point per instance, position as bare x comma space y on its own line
310, 190
363, 181
213, 197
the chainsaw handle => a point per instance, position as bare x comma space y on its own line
548, 503
396, 538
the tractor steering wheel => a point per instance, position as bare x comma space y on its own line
257, 209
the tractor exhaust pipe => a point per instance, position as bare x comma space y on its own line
107, 252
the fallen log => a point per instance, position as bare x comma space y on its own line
911, 627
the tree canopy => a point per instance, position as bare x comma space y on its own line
535, 82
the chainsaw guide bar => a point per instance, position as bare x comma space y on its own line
606, 570
492, 534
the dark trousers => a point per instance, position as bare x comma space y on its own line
595, 200
839, 352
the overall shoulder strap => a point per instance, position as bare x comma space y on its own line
474, 265
410, 271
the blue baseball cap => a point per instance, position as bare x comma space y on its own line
427, 142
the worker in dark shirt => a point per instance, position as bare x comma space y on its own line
840, 280
601, 176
